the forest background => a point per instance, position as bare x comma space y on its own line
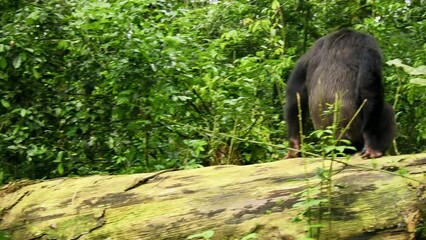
125, 86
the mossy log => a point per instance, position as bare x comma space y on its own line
233, 201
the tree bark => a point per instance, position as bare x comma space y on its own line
268, 199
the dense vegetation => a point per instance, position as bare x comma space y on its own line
125, 86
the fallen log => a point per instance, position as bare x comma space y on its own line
369, 199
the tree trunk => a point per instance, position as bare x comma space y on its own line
266, 200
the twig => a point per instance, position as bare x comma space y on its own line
146, 179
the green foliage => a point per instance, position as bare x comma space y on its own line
407, 96
250, 236
204, 235
421, 70
4, 236
316, 200
128, 86
421, 231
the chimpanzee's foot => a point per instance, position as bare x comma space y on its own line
294, 152
370, 153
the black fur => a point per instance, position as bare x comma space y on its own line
349, 64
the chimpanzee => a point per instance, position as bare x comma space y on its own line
348, 64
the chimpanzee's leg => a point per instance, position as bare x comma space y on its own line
296, 85
369, 87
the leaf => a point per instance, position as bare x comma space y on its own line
206, 235
123, 100
250, 236
23, 56
63, 44
183, 98
3, 48
275, 5
255, 26
420, 70
32, 151
247, 21
60, 169
174, 40
17, 62
340, 148
329, 149
36, 74
5, 103
3, 62
314, 202
34, 15
396, 62
402, 171
23, 112
58, 112
233, 34
418, 81
59, 157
